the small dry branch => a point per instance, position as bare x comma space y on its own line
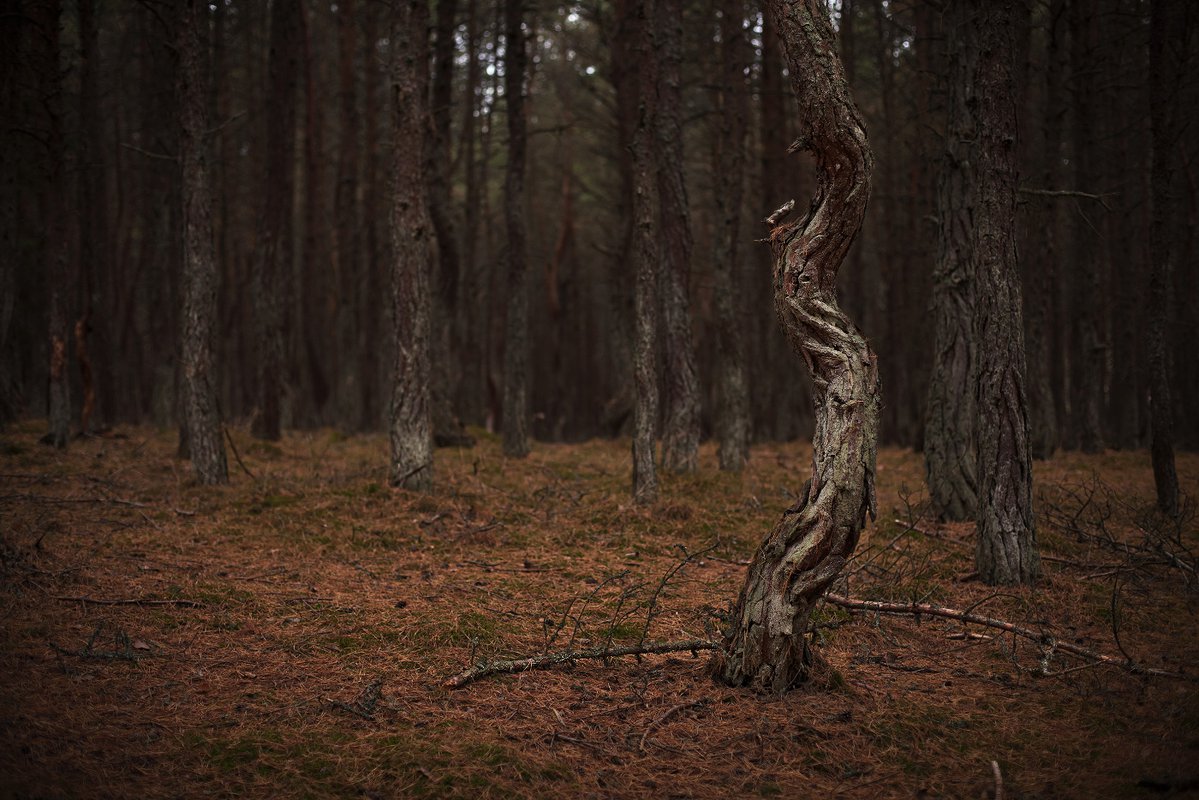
926, 610
132, 601
551, 660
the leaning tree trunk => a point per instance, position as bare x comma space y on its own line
202, 419
412, 235
765, 646
516, 336
1163, 80
949, 413
1007, 543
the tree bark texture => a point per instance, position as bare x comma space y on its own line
645, 253
273, 274
202, 418
516, 337
412, 237
765, 646
949, 445
1006, 535
733, 424
1165, 31
680, 385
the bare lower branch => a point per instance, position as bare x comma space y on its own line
551, 660
926, 610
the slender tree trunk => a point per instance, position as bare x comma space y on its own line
202, 418
446, 425
1007, 544
347, 253
733, 424
93, 226
47, 24
1165, 41
516, 337
273, 273
412, 236
680, 384
1089, 349
949, 439
646, 251
1046, 228
765, 646
470, 308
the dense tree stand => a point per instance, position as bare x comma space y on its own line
765, 646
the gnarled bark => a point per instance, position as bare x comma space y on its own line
412, 236
765, 646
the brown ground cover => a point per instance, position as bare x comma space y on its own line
291, 632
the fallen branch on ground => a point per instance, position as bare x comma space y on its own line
550, 660
129, 602
924, 609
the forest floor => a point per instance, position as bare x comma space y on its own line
289, 635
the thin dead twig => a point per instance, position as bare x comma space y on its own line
131, 601
669, 713
237, 456
924, 609
551, 660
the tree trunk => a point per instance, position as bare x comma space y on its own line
93, 227
48, 22
412, 236
446, 425
765, 646
728, 168
1089, 349
1007, 547
949, 440
645, 252
1165, 31
347, 253
516, 336
273, 273
202, 417
680, 385
471, 310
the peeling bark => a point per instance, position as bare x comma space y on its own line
765, 647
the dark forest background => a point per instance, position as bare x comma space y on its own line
91, 221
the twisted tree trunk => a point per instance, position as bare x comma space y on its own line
765, 646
